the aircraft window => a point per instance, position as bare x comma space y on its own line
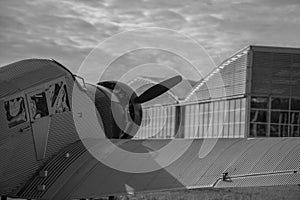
280, 103
38, 105
259, 102
59, 97
54, 91
15, 111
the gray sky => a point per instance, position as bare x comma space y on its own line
67, 30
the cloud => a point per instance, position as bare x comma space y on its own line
67, 30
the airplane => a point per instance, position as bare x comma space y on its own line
48, 142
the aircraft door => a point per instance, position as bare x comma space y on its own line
38, 104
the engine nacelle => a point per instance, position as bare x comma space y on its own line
120, 116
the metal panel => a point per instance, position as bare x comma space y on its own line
210, 120
206, 120
160, 120
296, 57
17, 74
276, 71
201, 120
216, 120
191, 121
196, 124
7, 89
155, 123
247, 163
164, 121
221, 118
295, 79
14, 170
237, 118
187, 121
231, 118
40, 131
173, 121
226, 120
54, 169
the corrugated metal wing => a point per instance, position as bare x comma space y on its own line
247, 163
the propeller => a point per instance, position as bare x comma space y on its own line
131, 104
157, 90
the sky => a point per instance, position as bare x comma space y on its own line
68, 30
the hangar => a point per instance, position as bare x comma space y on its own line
261, 98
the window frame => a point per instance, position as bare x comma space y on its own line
37, 90
62, 79
286, 125
14, 96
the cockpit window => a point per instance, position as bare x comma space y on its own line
50, 98
58, 95
15, 111
54, 91
38, 105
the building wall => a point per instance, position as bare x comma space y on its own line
208, 116
275, 93
275, 73
158, 122
216, 119
262, 87
227, 80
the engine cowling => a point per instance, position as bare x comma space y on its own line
120, 108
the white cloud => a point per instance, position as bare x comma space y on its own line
68, 29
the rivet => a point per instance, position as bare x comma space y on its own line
41, 187
43, 173
67, 155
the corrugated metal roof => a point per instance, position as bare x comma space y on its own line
240, 76
265, 48
232, 73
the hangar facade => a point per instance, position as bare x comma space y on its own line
259, 96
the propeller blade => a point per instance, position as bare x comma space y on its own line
158, 89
